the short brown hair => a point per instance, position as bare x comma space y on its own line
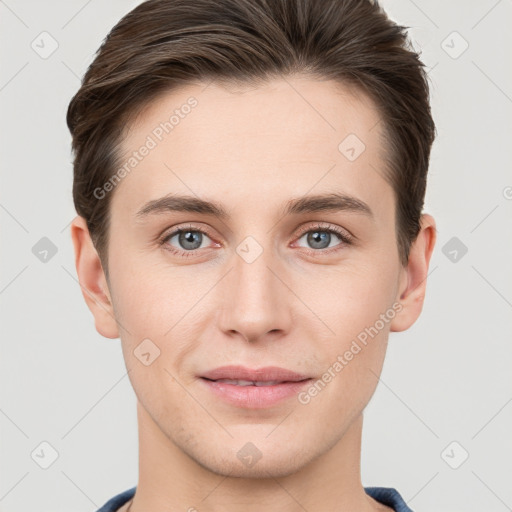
165, 43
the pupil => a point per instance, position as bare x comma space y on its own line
318, 238
187, 239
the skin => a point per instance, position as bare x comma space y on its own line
252, 149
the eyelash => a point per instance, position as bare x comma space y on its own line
345, 238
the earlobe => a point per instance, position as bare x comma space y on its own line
411, 292
92, 279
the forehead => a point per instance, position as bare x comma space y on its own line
252, 143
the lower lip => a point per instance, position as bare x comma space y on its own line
255, 397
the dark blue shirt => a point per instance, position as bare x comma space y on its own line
385, 495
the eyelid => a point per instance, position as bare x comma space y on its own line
169, 233
345, 235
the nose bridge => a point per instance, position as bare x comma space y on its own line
254, 298
252, 276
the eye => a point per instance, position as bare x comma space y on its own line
320, 237
185, 241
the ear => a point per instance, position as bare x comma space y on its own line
92, 279
413, 281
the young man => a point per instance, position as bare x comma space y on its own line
249, 182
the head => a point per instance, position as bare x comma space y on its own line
300, 132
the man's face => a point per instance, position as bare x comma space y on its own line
258, 287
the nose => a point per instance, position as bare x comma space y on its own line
256, 301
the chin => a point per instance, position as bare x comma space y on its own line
247, 461
262, 469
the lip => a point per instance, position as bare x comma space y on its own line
266, 373
254, 397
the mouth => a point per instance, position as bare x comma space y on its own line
258, 383
254, 389
243, 376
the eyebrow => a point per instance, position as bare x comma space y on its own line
332, 202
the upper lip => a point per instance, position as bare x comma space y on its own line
268, 373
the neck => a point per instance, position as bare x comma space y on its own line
170, 479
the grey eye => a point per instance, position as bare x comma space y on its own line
188, 239
319, 239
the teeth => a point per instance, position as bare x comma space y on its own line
237, 382
249, 382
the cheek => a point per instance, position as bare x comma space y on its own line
357, 306
162, 315
149, 300
358, 310
351, 298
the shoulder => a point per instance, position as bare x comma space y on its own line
385, 495
388, 496
113, 504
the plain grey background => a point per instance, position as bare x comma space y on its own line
446, 388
